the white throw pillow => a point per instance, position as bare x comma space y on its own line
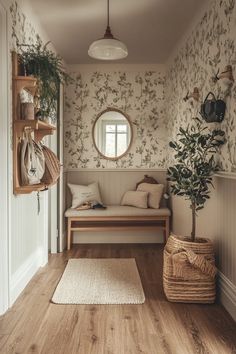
155, 192
81, 194
137, 199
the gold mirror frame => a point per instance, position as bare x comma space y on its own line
110, 109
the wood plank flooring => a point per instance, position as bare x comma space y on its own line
35, 325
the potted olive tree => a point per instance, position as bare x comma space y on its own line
41, 62
189, 271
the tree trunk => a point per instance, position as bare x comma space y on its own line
193, 233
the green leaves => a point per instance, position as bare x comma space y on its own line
47, 67
191, 176
195, 148
172, 144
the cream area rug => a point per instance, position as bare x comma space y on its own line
100, 281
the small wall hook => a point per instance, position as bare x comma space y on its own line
215, 78
186, 97
195, 95
226, 74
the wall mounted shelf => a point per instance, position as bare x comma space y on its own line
28, 83
30, 189
39, 128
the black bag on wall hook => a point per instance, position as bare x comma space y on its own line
213, 110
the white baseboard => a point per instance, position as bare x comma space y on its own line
24, 274
118, 237
227, 294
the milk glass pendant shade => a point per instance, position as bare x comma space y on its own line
108, 47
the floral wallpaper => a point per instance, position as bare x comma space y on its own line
138, 94
22, 30
209, 48
153, 101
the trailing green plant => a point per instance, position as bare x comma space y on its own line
195, 166
47, 67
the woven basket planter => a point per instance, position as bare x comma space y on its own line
189, 270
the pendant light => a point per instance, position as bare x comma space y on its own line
108, 47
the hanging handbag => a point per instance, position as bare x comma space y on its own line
32, 162
213, 110
52, 166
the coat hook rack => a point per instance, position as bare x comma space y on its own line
195, 95
226, 75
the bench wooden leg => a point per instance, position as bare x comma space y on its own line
69, 234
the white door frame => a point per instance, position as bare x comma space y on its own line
56, 204
61, 194
4, 151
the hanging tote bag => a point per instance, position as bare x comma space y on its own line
213, 110
32, 161
52, 167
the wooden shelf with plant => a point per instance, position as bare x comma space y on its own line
39, 72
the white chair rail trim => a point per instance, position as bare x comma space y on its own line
115, 169
228, 175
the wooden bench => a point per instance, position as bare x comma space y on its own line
116, 218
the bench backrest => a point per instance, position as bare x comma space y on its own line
112, 183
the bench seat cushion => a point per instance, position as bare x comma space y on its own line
117, 210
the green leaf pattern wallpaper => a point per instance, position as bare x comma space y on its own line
208, 48
152, 99
138, 94
22, 30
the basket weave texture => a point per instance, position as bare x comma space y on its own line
189, 270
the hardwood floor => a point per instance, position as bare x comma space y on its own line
35, 325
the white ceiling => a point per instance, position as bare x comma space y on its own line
150, 28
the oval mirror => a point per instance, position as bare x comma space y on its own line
112, 134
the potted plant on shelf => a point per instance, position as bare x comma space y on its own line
189, 262
39, 61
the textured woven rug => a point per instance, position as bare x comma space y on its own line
100, 281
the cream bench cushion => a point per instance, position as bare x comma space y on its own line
117, 210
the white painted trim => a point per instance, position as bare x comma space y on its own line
61, 194
227, 292
228, 175
44, 260
115, 170
53, 204
24, 274
4, 146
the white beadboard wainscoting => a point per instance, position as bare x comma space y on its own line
24, 274
113, 183
227, 294
29, 239
216, 221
